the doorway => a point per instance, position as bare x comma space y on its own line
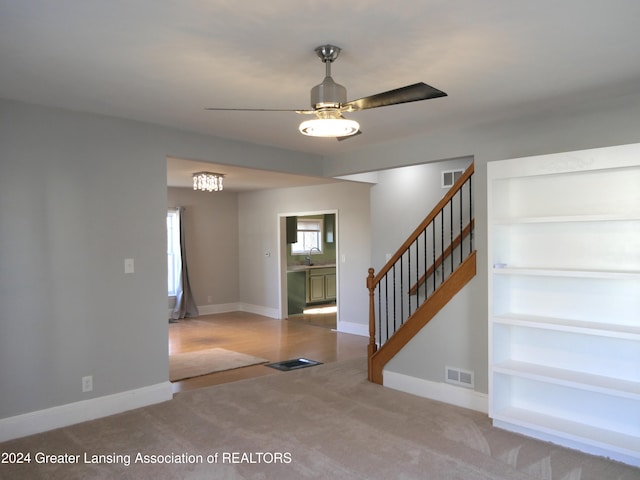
309, 270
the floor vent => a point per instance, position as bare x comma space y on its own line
294, 364
457, 376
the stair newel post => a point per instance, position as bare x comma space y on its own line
372, 347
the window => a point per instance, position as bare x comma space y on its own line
173, 251
309, 236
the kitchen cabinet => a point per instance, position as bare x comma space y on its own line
321, 285
292, 229
329, 227
296, 292
564, 284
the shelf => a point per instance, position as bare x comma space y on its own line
621, 443
563, 236
567, 219
626, 332
566, 272
570, 378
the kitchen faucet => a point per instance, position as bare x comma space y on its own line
309, 257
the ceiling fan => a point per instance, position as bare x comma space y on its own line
329, 102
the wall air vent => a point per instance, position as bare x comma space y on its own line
449, 177
457, 376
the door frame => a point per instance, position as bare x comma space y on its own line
283, 309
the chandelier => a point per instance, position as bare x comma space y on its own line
207, 182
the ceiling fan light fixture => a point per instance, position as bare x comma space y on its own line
329, 127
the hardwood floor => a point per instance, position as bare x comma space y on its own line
264, 337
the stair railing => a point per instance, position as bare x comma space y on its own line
425, 260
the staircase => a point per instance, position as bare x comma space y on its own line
427, 271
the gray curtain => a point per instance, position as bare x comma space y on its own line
185, 304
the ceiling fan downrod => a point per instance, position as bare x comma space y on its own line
328, 94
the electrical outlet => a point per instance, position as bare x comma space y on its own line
87, 383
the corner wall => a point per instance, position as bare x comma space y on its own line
259, 220
79, 193
211, 221
462, 328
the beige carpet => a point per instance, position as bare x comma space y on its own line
325, 422
203, 362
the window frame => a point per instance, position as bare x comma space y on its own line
319, 232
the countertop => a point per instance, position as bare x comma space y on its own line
304, 268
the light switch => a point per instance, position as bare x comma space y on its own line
128, 265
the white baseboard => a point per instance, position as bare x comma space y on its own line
600, 449
443, 392
219, 308
235, 307
259, 310
71, 413
353, 328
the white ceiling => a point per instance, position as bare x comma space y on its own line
163, 61
237, 179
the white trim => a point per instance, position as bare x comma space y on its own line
283, 309
82, 411
219, 308
442, 392
628, 456
259, 310
235, 307
353, 328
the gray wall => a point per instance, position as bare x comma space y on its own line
401, 199
259, 223
458, 335
211, 221
79, 193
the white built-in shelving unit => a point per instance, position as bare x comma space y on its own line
564, 298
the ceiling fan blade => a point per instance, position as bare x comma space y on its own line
410, 93
253, 109
300, 111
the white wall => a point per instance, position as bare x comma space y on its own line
259, 222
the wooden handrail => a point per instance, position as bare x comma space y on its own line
379, 353
440, 260
427, 311
418, 231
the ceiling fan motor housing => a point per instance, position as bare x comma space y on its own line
328, 94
